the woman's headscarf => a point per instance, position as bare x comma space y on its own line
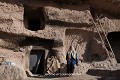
72, 52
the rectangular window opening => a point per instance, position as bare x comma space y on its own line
34, 18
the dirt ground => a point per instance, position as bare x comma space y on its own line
80, 77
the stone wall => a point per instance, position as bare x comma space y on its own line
65, 25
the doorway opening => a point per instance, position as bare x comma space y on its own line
37, 62
114, 40
34, 18
34, 24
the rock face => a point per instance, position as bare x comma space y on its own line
43, 31
11, 73
67, 15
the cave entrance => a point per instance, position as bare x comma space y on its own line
34, 24
34, 18
114, 40
37, 61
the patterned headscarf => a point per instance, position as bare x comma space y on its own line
71, 52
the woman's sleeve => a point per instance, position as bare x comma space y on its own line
76, 59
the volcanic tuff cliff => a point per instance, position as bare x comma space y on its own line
51, 27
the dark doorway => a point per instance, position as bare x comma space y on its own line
114, 39
34, 24
37, 58
34, 18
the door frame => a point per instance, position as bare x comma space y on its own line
27, 65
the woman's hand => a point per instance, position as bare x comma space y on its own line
77, 64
